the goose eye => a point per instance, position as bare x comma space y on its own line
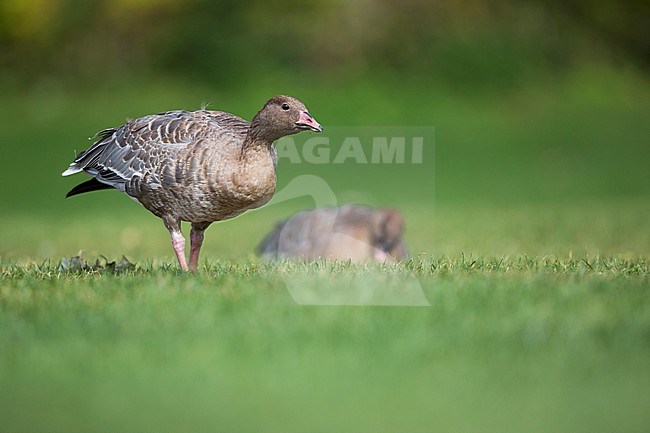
285, 106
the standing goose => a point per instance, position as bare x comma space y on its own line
197, 166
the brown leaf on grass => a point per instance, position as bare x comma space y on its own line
79, 264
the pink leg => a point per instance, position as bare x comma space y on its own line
196, 240
178, 242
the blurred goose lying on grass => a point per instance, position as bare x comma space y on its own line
349, 232
196, 166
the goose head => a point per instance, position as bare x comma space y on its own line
283, 115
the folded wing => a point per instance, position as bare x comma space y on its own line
144, 146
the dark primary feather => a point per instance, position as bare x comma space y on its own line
88, 186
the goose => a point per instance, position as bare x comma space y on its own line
349, 232
197, 166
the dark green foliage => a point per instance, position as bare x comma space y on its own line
474, 44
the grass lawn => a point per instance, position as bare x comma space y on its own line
530, 238
508, 344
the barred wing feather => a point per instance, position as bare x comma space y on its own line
144, 146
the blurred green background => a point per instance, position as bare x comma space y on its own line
540, 110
